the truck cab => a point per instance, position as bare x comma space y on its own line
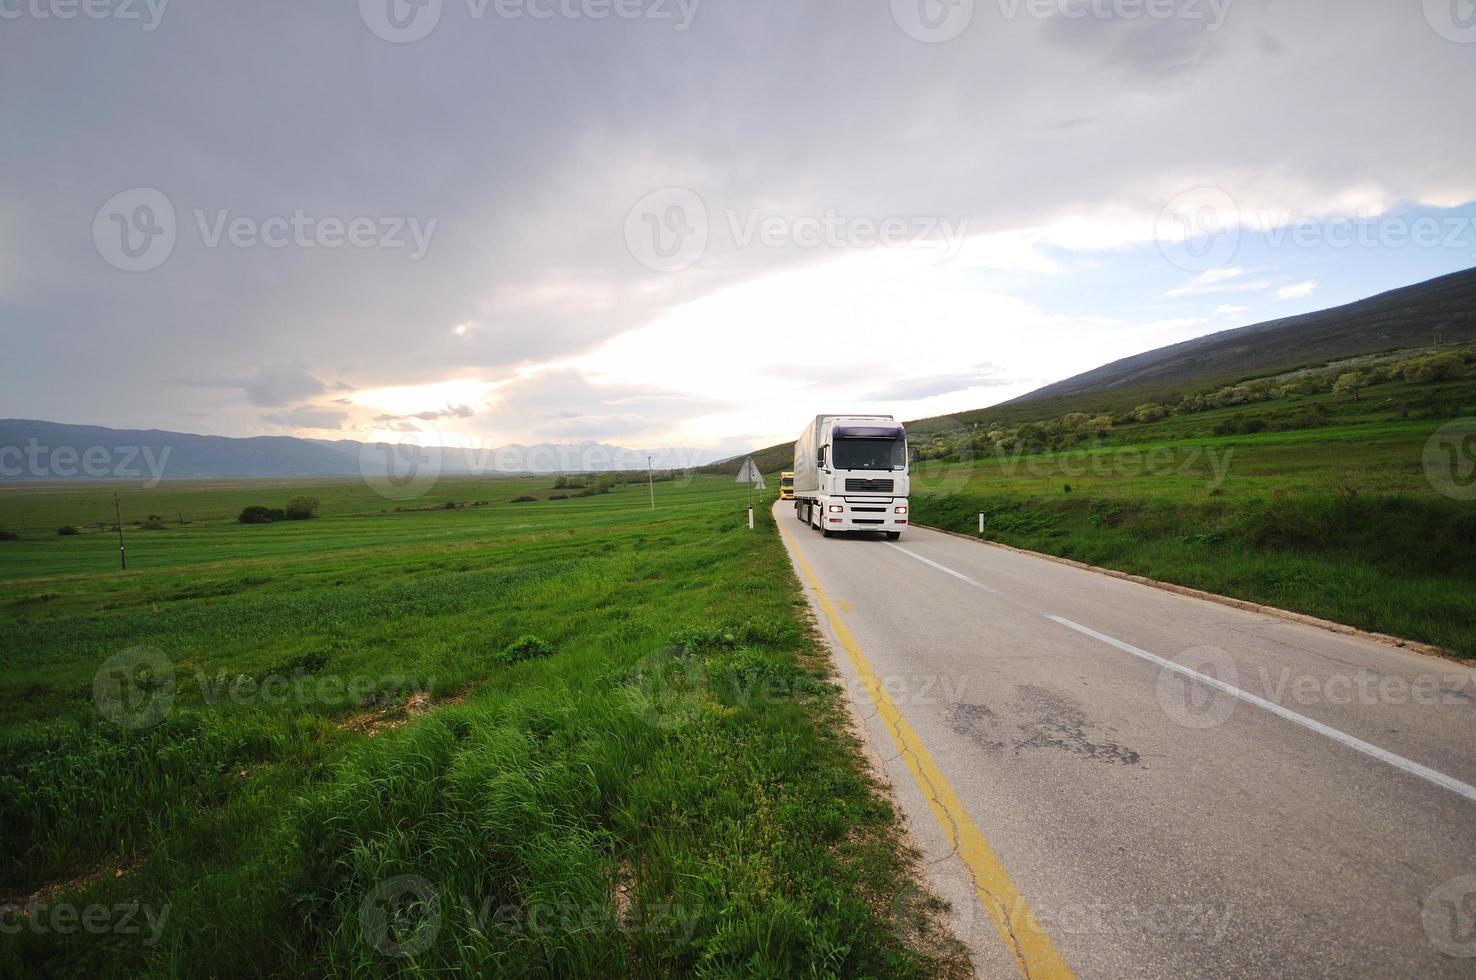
851, 474
786, 485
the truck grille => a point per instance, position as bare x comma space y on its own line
869, 486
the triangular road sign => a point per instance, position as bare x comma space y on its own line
749, 473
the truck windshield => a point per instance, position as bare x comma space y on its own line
869, 454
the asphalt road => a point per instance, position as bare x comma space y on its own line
1302, 804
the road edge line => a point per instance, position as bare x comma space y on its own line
1034, 953
1246, 605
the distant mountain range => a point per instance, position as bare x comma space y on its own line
36, 450
1440, 311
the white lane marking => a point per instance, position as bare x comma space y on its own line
944, 568
1383, 755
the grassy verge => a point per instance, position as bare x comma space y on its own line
1342, 522
557, 738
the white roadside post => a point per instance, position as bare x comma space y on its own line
981, 523
750, 474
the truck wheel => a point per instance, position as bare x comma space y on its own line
893, 535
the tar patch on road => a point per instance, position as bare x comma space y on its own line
1048, 720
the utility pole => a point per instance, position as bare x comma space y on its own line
651, 482
118, 512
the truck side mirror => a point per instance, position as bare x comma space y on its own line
820, 457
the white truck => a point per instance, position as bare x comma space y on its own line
850, 474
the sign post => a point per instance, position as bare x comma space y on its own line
750, 474
122, 551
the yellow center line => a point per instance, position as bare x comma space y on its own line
1035, 954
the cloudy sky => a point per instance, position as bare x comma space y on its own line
691, 222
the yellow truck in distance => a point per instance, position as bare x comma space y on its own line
786, 485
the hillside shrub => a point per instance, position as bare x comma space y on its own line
67, 530
301, 508
525, 648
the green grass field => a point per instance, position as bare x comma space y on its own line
1340, 520
555, 738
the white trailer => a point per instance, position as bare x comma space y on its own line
850, 474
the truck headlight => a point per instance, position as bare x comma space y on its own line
836, 509
901, 510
